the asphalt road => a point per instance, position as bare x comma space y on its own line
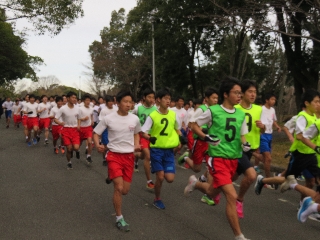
41, 199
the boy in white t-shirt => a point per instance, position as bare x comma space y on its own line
44, 119
31, 109
16, 110
123, 133
7, 106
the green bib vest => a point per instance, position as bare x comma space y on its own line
143, 112
163, 129
317, 139
297, 144
252, 115
226, 126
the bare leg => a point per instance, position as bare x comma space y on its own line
267, 163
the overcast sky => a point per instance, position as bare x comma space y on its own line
65, 54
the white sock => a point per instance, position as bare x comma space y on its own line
293, 185
69, 161
88, 155
149, 181
26, 137
185, 158
46, 139
118, 218
239, 237
203, 178
279, 175
86, 147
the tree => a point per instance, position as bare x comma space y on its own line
48, 82
14, 61
45, 15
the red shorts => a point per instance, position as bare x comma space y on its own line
32, 122
56, 131
222, 170
16, 118
144, 143
199, 151
190, 139
70, 136
85, 132
24, 120
44, 123
120, 165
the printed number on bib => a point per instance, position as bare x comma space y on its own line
249, 122
231, 128
144, 117
165, 122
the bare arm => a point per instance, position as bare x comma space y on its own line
100, 148
277, 126
289, 135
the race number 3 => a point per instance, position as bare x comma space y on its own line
249, 122
231, 128
165, 122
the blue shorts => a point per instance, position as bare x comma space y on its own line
104, 137
8, 113
162, 160
265, 142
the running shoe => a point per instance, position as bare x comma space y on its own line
122, 225
69, 166
29, 144
191, 185
35, 141
181, 158
104, 163
46, 142
216, 199
89, 160
269, 186
38, 138
286, 185
207, 200
62, 150
258, 171
18, 126
201, 180
108, 180
315, 217
158, 204
239, 206
7, 126
150, 185
241, 237
136, 169
259, 185
301, 178
56, 150
77, 154
305, 210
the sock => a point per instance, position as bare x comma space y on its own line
26, 137
185, 158
149, 181
46, 139
203, 178
239, 236
118, 218
88, 155
69, 161
293, 185
279, 175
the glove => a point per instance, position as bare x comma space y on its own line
212, 140
183, 140
317, 149
153, 140
246, 147
30, 112
205, 130
288, 154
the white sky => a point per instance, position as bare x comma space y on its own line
65, 54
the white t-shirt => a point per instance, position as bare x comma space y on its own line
68, 115
196, 114
104, 112
206, 118
96, 110
268, 116
121, 130
102, 106
182, 114
189, 115
28, 107
53, 104
85, 112
291, 124
7, 105
53, 113
15, 109
311, 132
45, 113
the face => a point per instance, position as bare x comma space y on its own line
65, 100
164, 102
87, 102
51, 99
180, 103
271, 101
72, 99
172, 104
8, 99
44, 99
59, 104
100, 100
234, 95
314, 105
109, 104
191, 103
186, 107
149, 99
27, 98
125, 104
32, 100
196, 106
212, 100
37, 101
250, 95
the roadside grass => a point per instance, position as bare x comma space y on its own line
279, 148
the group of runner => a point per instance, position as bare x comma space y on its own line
223, 130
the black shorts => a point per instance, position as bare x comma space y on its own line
244, 163
299, 162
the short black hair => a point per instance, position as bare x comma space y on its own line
268, 95
32, 96
162, 93
42, 96
226, 85
100, 97
179, 97
187, 103
308, 96
109, 98
86, 96
198, 101
209, 91
59, 99
246, 84
69, 94
122, 94
147, 91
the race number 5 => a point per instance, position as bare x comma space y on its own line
229, 127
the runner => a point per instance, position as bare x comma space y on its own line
25, 117
143, 111
16, 110
85, 124
229, 124
7, 106
56, 129
44, 120
67, 117
123, 135
161, 128
30, 108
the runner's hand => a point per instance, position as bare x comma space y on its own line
212, 140
30, 112
204, 130
183, 140
137, 148
246, 147
101, 148
317, 149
